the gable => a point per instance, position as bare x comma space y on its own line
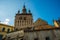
40, 22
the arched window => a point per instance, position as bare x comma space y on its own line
3, 29
8, 30
24, 18
20, 18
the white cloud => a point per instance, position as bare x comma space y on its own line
6, 21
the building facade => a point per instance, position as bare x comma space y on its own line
42, 34
39, 30
4, 29
35, 34
57, 23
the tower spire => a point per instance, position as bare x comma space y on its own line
29, 11
24, 6
24, 9
18, 12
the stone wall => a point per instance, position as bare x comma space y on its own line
42, 35
39, 35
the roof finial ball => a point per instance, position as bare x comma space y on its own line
29, 11
18, 11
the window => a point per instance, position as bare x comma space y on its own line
16, 29
24, 18
22, 21
20, 18
36, 39
8, 30
18, 21
47, 38
21, 39
3, 29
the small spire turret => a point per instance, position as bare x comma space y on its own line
24, 9
29, 11
18, 11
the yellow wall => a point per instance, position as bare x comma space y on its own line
56, 24
6, 29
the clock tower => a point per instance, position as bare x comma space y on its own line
24, 19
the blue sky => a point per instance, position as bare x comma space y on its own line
44, 9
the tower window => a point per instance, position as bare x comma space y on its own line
20, 18
24, 18
3, 29
18, 23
